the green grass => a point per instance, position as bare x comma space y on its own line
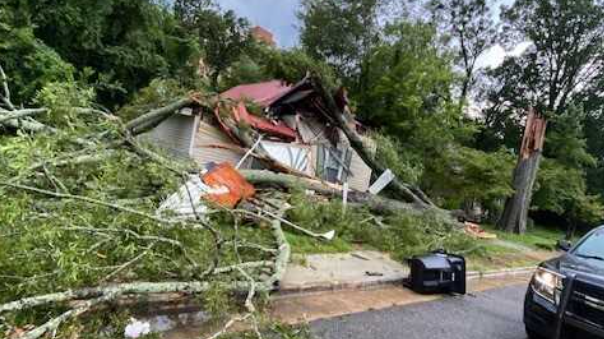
537, 237
539, 241
494, 257
407, 235
302, 244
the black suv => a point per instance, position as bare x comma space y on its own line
565, 298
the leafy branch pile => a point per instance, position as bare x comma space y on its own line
402, 234
80, 228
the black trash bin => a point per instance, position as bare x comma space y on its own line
438, 272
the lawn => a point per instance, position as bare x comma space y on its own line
537, 237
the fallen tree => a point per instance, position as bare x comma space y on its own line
342, 118
86, 197
376, 204
82, 229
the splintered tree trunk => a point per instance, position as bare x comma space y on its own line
515, 215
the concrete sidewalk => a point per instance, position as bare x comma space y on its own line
355, 270
360, 270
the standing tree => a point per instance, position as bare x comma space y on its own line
564, 61
223, 36
594, 125
470, 24
119, 45
341, 33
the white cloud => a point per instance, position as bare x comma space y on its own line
494, 56
520, 49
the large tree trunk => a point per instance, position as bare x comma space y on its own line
515, 214
341, 117
376, 204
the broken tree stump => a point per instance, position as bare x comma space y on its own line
515, 215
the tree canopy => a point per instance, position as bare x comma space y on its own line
408, 77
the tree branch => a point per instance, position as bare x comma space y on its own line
150, 120
22, 113
339, 116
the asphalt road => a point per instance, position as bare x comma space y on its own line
495, 314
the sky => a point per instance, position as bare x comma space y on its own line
279, 17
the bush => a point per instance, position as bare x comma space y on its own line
390, 153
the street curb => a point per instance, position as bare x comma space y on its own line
503, 273
352, 286
339, 286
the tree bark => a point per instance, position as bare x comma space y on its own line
376, 204
515, 215
571, 228
150, 120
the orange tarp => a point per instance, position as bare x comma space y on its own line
225, 175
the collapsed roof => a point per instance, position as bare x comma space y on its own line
279, 100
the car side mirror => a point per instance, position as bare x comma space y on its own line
564, 245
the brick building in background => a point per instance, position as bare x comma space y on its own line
263, 35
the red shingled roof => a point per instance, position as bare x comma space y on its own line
263, 94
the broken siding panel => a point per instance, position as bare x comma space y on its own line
296, 156
362, 173
174, 135
208, 136
311, 130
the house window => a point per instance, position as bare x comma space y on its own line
333, 163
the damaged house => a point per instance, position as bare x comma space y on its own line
290, 125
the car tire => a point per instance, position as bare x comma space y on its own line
532, 334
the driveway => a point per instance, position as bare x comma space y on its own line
494, 314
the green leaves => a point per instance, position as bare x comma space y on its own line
222, 35
561, 189
462, 174
406, 166
408, 86
342, 34
126, 44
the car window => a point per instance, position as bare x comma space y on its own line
593, 246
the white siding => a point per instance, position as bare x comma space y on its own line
188, 137
311, 130
361, 177
174, 135
205, 148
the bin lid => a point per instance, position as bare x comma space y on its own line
434, 261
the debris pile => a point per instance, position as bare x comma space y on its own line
93, 215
